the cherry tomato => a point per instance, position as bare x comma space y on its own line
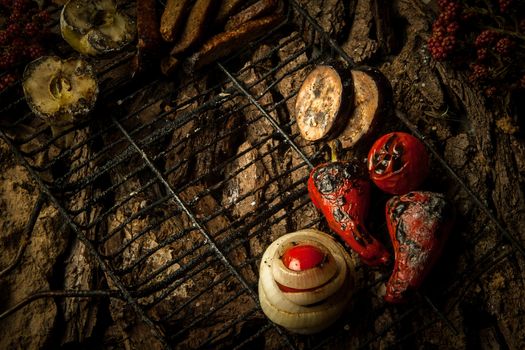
398, 163
302, 257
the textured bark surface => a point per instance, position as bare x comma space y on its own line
482, 143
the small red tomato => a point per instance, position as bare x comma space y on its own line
398, 163
303, 257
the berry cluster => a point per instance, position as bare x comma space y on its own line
22, 36
484, 37
443, 41
6, 80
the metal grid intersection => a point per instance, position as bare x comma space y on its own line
140, 180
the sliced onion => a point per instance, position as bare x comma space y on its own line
303, 317
318, 294
293, 316
305, 279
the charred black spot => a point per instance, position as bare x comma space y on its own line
318, 84
388, 144
397, 159
358, 238
320, 117
327, 179
339, 215
364, 234
398, 209
401, 233
380, 166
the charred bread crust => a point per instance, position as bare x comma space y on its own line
196, 25
226, 9
225, 43
172, 19
149, 40
256, 10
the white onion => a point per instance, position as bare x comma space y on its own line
294, 310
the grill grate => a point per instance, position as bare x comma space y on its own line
153, 187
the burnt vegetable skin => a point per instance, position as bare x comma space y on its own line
341, 192
223, 44
372, 100
258, 9
419, 224
172, 18
196, 25
324, 102
398, 163
149, 39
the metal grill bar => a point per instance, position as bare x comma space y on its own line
208, 314
59, 294
230, 243
256, 335
202, 230
79, 234
227, 326
265, 113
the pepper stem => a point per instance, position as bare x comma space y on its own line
335, 146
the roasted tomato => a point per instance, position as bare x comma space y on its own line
398, 163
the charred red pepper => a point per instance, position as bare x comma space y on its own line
342, 194
418, 224
398, 163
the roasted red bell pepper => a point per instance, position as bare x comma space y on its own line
418, 224
342, 193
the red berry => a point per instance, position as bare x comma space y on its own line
449, 43
443, 3
453, 27
13, 30
504, 46
43, 16
452, 11
491, 91
7, 60
34, 51
504, 5
9, 78
20, 5
482, 53
479, 72
31, 29
16, 16
4, 38
485, 38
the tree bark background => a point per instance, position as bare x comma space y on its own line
483, 144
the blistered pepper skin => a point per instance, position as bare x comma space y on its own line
419, 224
398, 163
342, 194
